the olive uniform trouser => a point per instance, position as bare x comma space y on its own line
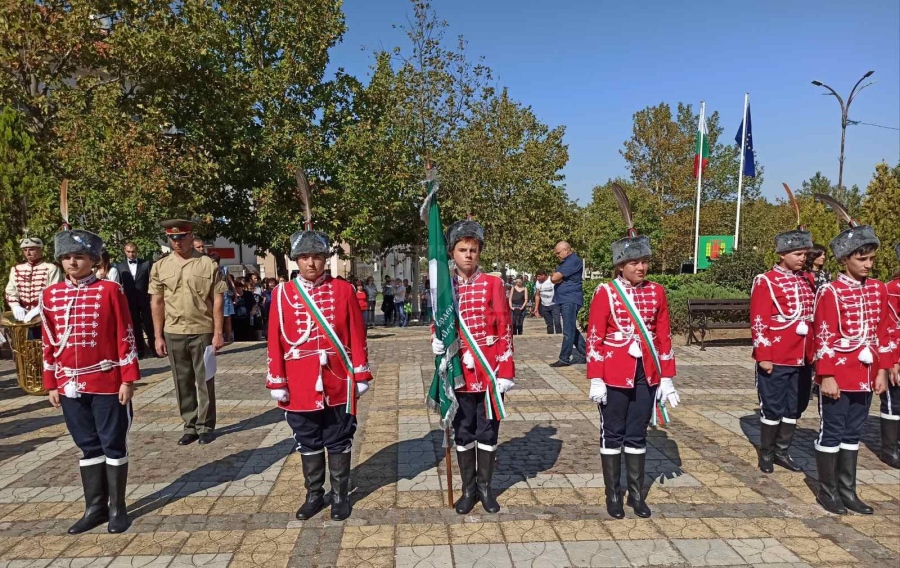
195, 395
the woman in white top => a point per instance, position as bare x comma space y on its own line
105, 270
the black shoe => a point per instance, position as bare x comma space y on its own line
846, 478
339, 466
314, 475
634, 468
188, 439
484, 474
96, 509
612, 476
559, 364
783, 445
890, 450
827, 495
466, 461
767, 435
117, 479
207, 438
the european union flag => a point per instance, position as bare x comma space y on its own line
749, 164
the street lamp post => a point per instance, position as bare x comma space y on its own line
844, 109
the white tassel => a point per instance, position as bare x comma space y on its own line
865, 356
323, 357
323, 360
468, 360
319, 386
635, 350
71, 390
802, 328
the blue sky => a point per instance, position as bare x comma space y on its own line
589, 65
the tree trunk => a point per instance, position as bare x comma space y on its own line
280, 263
414, 280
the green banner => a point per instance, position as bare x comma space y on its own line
712, 248
447, 367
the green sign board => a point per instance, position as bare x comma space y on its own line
713, 248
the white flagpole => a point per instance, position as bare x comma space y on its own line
699, 181
737, 223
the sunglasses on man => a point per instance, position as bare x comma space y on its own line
180, 236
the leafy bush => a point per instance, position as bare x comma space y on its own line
737, 270
678, 300
672, 282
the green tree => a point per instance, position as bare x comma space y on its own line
881, 209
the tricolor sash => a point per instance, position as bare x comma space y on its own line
332, 338
496, 407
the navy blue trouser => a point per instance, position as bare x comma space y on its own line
890, 403
842, 420
783, 393
572, 338
626, 415
331, 428
471, 425
99, 426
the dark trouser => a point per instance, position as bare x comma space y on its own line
842, 421
387, 306
99, 426
783, 393
471, 425
551, 318
331, 428
518, 320
371, 312
626, 415
142, 321
572, 338
890, 403
195, 395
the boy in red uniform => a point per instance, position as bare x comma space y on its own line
89, 354
630, 364
781, 313
484, 318
853, 354
318, 367
890, 399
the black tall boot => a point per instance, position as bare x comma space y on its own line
116, 480
484, 473
469, 497
339, 466
846, 478
890, 450
827, 496
783, 445
314, 475
634, 467
612, 476
96, 507
767, 435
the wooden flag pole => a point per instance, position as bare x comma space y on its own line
449, 464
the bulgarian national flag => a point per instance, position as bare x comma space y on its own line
447, 367
701, 149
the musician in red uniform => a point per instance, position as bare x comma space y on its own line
28, 279
853, 356
90, 365
318, 367
486, 347
890, 399
781, 313
630, 364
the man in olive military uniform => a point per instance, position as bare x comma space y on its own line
186, 300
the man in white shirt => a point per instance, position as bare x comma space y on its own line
543, 303
399, 303
134, 276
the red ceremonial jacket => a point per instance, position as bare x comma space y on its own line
781, 316
485, 310
87, 336
893, 288
851, 317
299, 351
27, 281
611, 333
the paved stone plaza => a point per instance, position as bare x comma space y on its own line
232, 503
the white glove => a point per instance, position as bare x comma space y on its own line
362, 388
281, 395
598, 391
437, 347
505, 385
667, 393
18, 312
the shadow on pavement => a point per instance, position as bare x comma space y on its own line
268, 417
524, 457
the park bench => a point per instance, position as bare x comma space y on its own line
705, 314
